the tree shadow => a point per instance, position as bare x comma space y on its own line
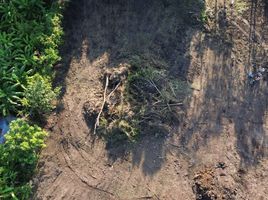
229, 99
265, 2
205, 121
165, 30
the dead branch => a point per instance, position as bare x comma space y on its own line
116, 87
97, 123
155, 103
172, 104
172, 89
153, 84
154, 194
146, 197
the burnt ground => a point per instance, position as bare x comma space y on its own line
218, 148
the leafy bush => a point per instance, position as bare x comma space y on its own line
39, 95
18, 158
30, 33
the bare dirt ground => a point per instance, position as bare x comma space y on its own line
218, 150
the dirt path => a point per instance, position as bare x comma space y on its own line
219, 150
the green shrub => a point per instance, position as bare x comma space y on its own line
39, 95
18, 158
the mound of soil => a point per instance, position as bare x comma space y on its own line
208, 186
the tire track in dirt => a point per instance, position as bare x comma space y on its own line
220, 123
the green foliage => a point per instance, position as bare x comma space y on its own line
241, 6
155, 96
18, 158
203, 16
39, 95
10, 97
21, 192
129, 130
118, 130
30, 33
150, 84
22, 144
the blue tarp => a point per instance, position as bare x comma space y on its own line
4, 127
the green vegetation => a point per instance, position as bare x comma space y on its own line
119, 130
18, 158
30, 32
203, 16
151, 85
39, 95
241, 6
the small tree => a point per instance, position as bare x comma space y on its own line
39, 95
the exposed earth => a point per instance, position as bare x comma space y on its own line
215, 149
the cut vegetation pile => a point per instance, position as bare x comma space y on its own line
142, 98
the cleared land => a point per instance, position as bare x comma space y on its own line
216, 147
